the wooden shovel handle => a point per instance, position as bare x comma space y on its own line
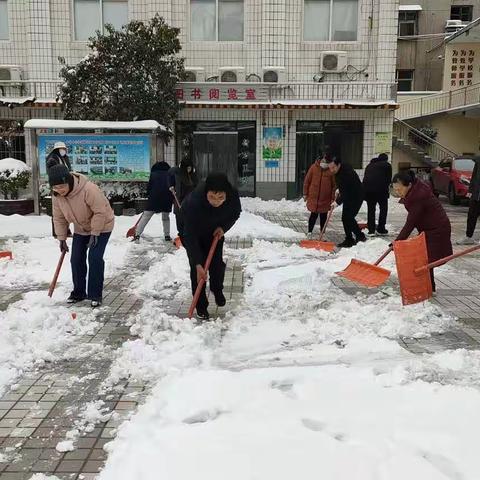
57, 273
176, 198
202, 282
326, 223
446, 259
383, 256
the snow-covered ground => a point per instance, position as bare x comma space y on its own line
298, 380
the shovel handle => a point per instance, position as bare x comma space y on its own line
57, 273
202, 282
383, 256
326, 223
437, 263
174, 193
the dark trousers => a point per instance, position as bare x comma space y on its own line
350, 225
313, 219
473, 213
216, 271
372, 200
96, 267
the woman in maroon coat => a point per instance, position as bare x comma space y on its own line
426, 214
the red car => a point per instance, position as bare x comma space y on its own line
452, 178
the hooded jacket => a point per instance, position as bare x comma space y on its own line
85, 206
377, 178
54, 158
201, 219
160, 198
319, 188
426, 214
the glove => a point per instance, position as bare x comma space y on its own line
93, 242
63, 246
390, 245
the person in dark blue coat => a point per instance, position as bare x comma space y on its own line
160, 199
209, 211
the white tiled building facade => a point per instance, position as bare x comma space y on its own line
239, 42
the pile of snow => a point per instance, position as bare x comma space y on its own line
253, 226
37, 330
276, 207
11, 168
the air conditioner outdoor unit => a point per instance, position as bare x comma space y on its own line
274, 75
228, 73
10, 73
197, 72
333, 62
453, 26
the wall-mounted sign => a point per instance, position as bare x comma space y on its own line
383, 142
102, 157
272, 148
462, 67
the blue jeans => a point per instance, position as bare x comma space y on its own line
96, 267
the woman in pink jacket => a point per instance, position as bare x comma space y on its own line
78, 201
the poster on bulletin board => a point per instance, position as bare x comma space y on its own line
102, 157
272, 148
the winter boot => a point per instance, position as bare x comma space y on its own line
96, 303
347, 243
202, 313
73, 299
371, 234
310, 235
220, 298
361, 238
168, 238
383, 232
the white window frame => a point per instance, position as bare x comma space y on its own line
216, 40
330, 25
414, 22
102, 26
412, 80
8, 26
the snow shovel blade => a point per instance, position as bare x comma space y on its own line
318, 245
410, 255
6, 254
365, 273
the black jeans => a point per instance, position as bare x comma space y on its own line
372, 200
313, 219
350, 225
96, 267
473, 213
216, 271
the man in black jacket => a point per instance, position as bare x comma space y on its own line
376, 184
474, 207
210, 210
351, 196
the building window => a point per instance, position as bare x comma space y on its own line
407, 23
461, 12
3, 20
93, 15
216, 20
405, 80
330, 20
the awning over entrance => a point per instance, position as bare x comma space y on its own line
296, 104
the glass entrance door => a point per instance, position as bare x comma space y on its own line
216, 152
309, 145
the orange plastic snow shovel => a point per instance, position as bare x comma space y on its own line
203, 281
414, 270
365, 273
6, 254
132, 230
57, 273
318, 244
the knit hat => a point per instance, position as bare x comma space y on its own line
217, 182
58, 175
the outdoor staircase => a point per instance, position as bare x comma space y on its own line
419, 146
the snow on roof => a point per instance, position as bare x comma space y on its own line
410, 8
16, 100
13, 166
94, 125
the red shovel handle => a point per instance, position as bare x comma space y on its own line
57, 273
201, 283
383, 256
447, 259
176, 198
